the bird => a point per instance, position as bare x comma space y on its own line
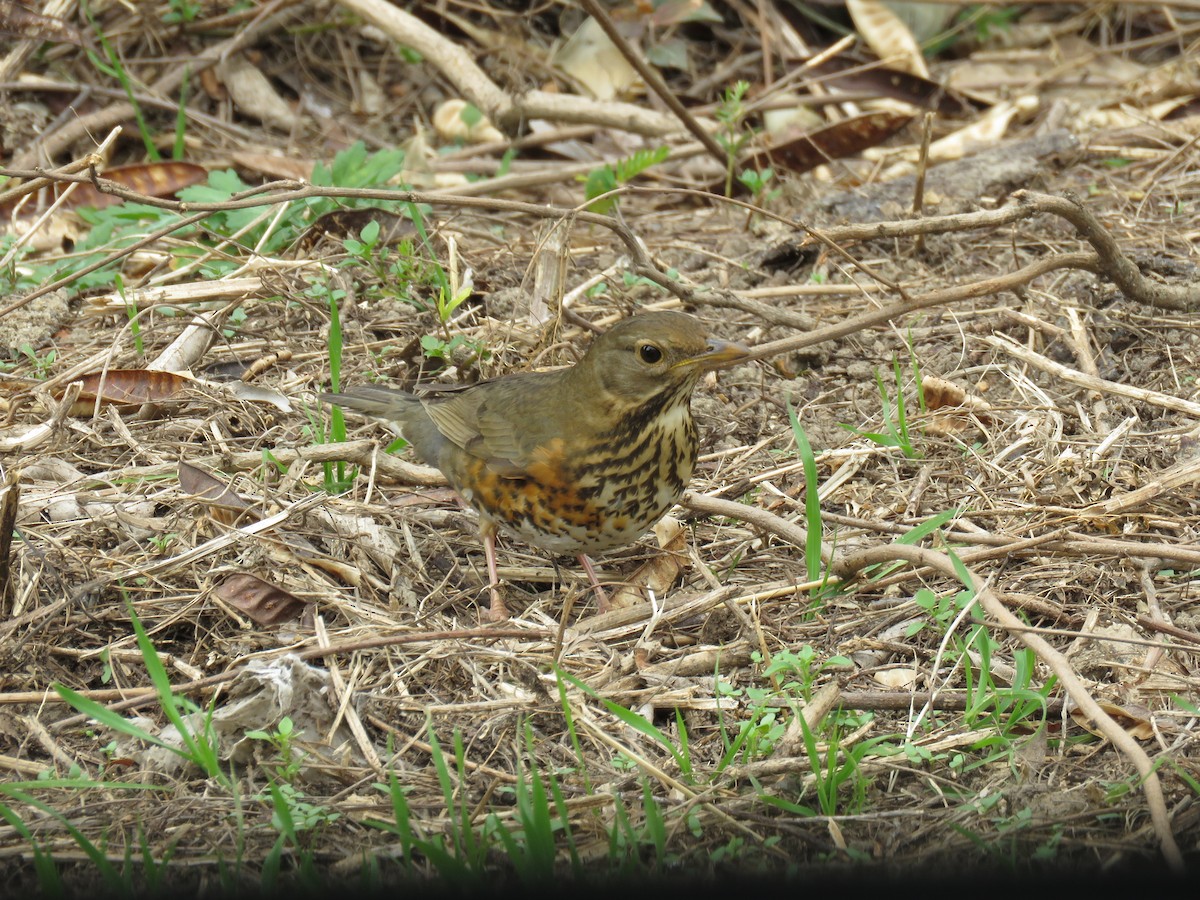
576, 460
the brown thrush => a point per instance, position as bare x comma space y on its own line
576, 460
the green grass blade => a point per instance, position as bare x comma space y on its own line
48, 877
636, 722
111, 877
112, 720
569, 718
200, 750
656, 826
812, 499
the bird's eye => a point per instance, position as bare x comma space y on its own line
649, 353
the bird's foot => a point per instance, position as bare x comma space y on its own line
496, 611
602, 603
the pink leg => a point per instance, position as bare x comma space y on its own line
601, 596
497, 612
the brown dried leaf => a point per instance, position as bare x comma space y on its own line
263, 602
952, 410
211, 83
1134, 719
591, 58
152, 179
254, 94
982, 133
429, 496
227, 506
1182, 108
939, 393
842, 139
257, 393
347, 572
10, 495
292, 168
660, 572
855, 76
127, 387
887, 35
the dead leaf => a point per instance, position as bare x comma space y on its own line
980, 135
887, 36
285, 167
1134, 719
347, 572
257, 393
1182, 108
951, 409
225, 504
899, 678
127, 387
430, 496
593, 61
794, 117
211, 84
938, 393
986, 131
263, 602
11, 494
841, 73
262, 693
160, 179
660, 572
254, 95
152, 179
815, 148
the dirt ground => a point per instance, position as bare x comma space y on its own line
1040, 423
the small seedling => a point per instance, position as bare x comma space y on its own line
894, 414
758, 183
733, 135
281, 739
608, 178
812, 504
41, 363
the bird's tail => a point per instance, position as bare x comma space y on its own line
374, 400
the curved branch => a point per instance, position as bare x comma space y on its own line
1088, 261
753, 515
1124, 274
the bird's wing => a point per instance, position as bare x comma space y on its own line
490, 421
456, 417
